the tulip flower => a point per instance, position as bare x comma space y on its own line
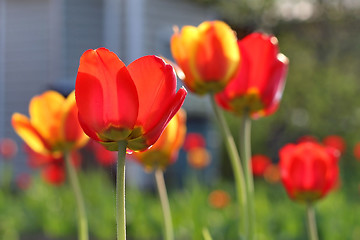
198, 158
165, 151
53, 129
259, 164
132, 103
308, 170
125, 107
336, 142
272, 174
194, 140
208, 55
219, 199
259, 83
23, 181
53, 125
356, 151
8, 148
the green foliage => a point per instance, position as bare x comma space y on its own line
50, 211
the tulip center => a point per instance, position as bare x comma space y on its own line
113, 133
306, 196
249, 102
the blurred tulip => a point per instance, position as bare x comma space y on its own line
8, 148
52, 166
219, 199
198, 158
53, 126
102, 155
272, 174
308, 170
23, 181
132, 103
259, 164
336, 142
165, 150
194, 140
357, 151
307, 138
208, 55
259, 83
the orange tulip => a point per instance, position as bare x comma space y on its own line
165, 150
132, 103
259, 83
219, 199
208, 55
53, 126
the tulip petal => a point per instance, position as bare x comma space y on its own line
89, 99
150, 137
156, 85
183, 48
262, 51
274, 89
29, 134
106, 95
217, 55
45, 112
169, 113
71, 129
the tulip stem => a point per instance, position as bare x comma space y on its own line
120, 192
311, 222
245, 151
206, 234
235, 163
168, 226
83, 232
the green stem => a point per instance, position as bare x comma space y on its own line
235, 163
311, 222
83, 232
168, 227
206, 234
245, 150
120, 192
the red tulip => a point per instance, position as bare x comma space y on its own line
259, 164
23, 181
8, 148
194, 140
335, 142
308, 170
102, 155
132, 103
259, 83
